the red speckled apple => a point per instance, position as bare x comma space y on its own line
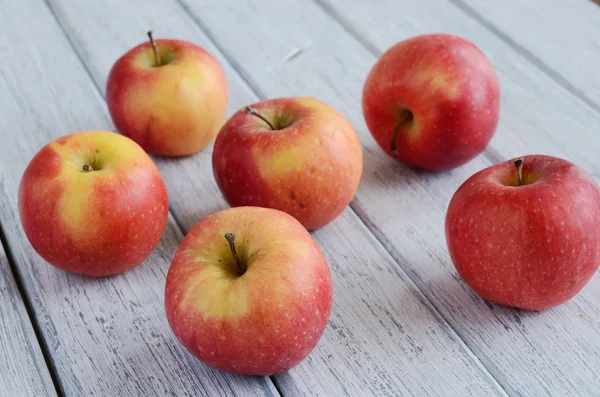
170, 96
297, 155
432, 101
526, 233
249, 291
93, 203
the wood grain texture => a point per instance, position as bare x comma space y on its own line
561, 36
106, 336
23, 371
382, 338
555, 352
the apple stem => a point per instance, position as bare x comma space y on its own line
156, 57
254, 112
519, 165
87, 168
406, 118
238, 262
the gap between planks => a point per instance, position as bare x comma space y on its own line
525, 53
29, 309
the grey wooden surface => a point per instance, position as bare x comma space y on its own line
22, 366
562, 38
403, 323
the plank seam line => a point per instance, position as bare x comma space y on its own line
412, 282
276, 385
180, 228
30, 312
558, 78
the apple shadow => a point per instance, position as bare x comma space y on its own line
382, 172
187, 217
475, 312
193, 192
139, 332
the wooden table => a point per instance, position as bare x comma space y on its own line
403, 323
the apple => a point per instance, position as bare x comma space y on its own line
93, 203
526, 232
170, 96
297, 155
432, 101
248, 291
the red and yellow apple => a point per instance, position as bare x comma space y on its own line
93, 203
249, 291
526, 232
172, 102
432, 101
297, 155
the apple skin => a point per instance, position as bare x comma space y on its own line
310, 169
263, 322
442, 95
97, 223
533, 246
172, 110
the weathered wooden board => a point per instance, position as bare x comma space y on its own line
106, 336
562, 37
385, 337
23, 371
382, 338
554, 352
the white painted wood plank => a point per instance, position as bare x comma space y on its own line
23, 371
106, 336
551, 353
562, 35
382, 339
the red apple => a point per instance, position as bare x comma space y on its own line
531, 242
297, 155
432, 101
249, 291
93, 203
172, 102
